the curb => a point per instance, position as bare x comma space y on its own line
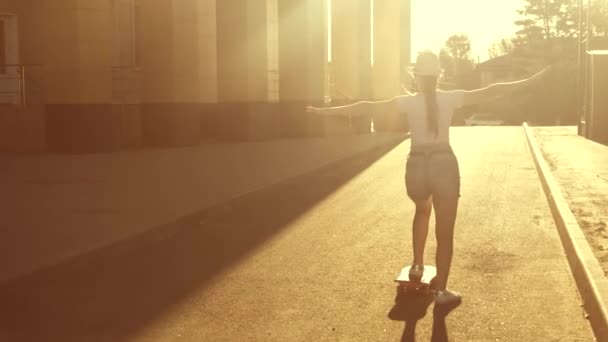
586, 269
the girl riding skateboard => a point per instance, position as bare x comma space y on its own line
432, 176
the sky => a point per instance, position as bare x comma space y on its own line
484, 21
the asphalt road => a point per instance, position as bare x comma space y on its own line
314, 258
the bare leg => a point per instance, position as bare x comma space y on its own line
445, 217
421, 229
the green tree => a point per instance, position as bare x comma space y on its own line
547, 34
548, 31
447, 63
455, 57
459, 46
599, 18
503, 47
545, 19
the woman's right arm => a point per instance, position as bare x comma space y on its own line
473, 97
360, 108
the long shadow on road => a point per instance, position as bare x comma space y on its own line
113, 293
411, 309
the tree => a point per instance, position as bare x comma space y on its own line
455, 57
458, 46
447, 63
547, 35
599, 18
503, 47
546, 19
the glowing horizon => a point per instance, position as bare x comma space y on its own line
454, 18
432, 27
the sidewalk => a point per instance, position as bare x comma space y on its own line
580, 167
57, 207
571, 170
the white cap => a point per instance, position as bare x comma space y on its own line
427, 64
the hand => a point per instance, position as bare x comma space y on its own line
546, 70
314, 110
543, 73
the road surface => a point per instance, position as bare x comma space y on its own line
314, 258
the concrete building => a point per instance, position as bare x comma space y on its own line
105, 75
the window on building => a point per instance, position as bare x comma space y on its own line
2, 47
124, 33
135, 29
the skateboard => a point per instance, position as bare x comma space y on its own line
425, 286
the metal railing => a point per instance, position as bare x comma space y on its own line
16, 84
20, 85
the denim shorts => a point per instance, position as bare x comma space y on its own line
432, 170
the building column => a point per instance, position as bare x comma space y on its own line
350, 49
177, 55
125, 72
77, 80
406, 39
350, 65
247, 69
391, 58
302, 64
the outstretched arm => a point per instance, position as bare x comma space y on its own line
490, 92
405, 91
359, 108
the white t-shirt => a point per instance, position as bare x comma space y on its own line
415, 107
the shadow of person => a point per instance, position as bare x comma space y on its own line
409, 309
440, 331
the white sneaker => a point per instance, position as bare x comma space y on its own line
444, 297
